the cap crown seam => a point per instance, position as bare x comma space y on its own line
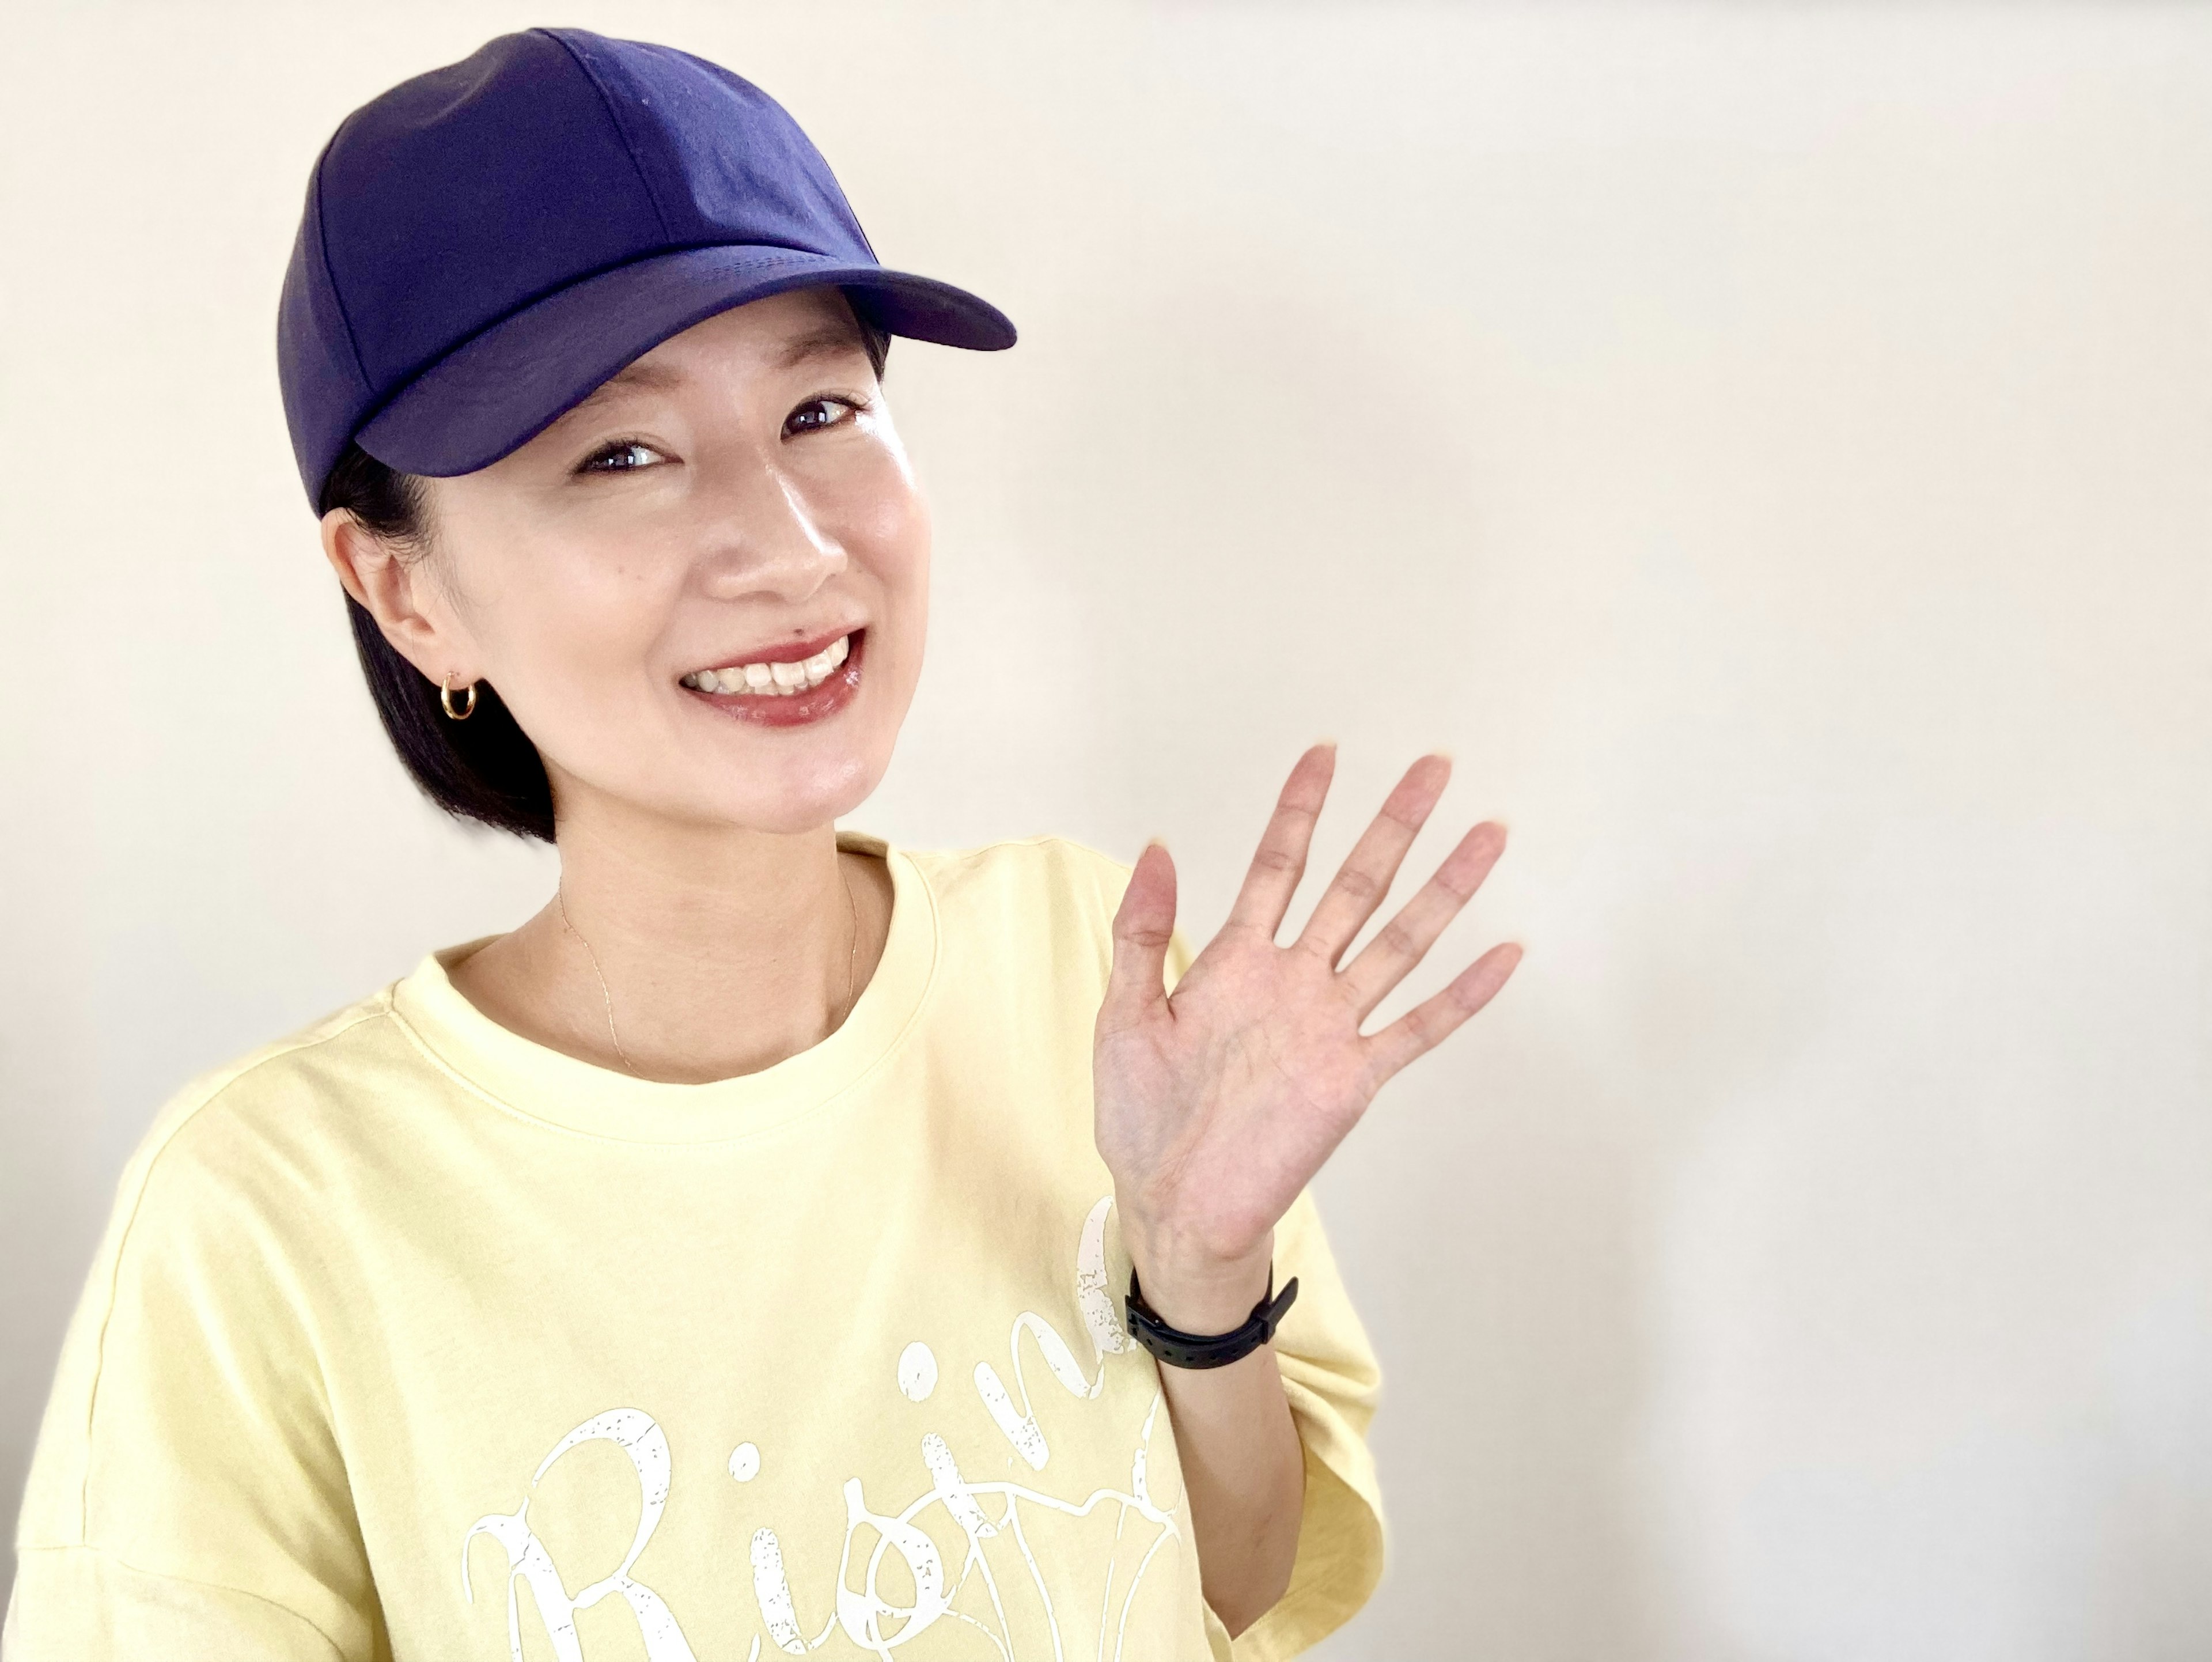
622, 131
330, 279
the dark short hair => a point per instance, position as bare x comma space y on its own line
485, 768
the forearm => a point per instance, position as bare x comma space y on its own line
1243, 1466
1244, 1471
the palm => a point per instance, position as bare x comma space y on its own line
1217, 1106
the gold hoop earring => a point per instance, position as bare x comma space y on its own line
446, 700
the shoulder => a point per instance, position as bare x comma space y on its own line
202, 1254
244, 1168
1047, 893
1048, 868
260, 1123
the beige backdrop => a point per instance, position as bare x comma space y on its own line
1767, 445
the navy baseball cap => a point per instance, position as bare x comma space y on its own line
485, 244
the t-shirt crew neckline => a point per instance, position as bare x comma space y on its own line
529, 1079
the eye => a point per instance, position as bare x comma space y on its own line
622, 456
818, 413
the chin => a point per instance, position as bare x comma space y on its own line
813, 792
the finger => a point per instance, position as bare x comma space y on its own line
1281, 860
1427, 1024
1143, 924
1384, 962
1364, 877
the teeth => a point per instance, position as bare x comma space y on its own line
777, 679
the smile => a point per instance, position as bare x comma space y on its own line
809, 681
776, 678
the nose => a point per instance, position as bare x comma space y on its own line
760, 536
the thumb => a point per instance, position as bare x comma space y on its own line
1142, 927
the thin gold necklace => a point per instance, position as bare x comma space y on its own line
852, 961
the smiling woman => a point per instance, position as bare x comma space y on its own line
741, 1234
488, 771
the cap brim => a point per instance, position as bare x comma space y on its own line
504, 386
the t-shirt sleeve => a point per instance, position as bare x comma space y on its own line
1332, 1381
187, 1499
83, 1605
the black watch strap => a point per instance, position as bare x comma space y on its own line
1180, 1350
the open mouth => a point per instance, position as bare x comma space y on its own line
803, 682
774, 677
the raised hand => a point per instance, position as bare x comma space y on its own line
1217, 1106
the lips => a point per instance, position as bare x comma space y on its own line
773, 677
808, 689
784, 652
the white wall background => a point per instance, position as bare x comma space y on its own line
1768, 445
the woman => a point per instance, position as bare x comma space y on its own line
783, 1241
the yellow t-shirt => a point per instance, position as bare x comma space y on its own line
412, 1338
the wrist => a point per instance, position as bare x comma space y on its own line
1198, 1293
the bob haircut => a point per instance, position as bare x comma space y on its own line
484, 769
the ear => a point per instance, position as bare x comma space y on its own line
399, 593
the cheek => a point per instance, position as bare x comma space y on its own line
576, 626
887, 526
901, 533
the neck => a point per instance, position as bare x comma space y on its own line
722, 950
